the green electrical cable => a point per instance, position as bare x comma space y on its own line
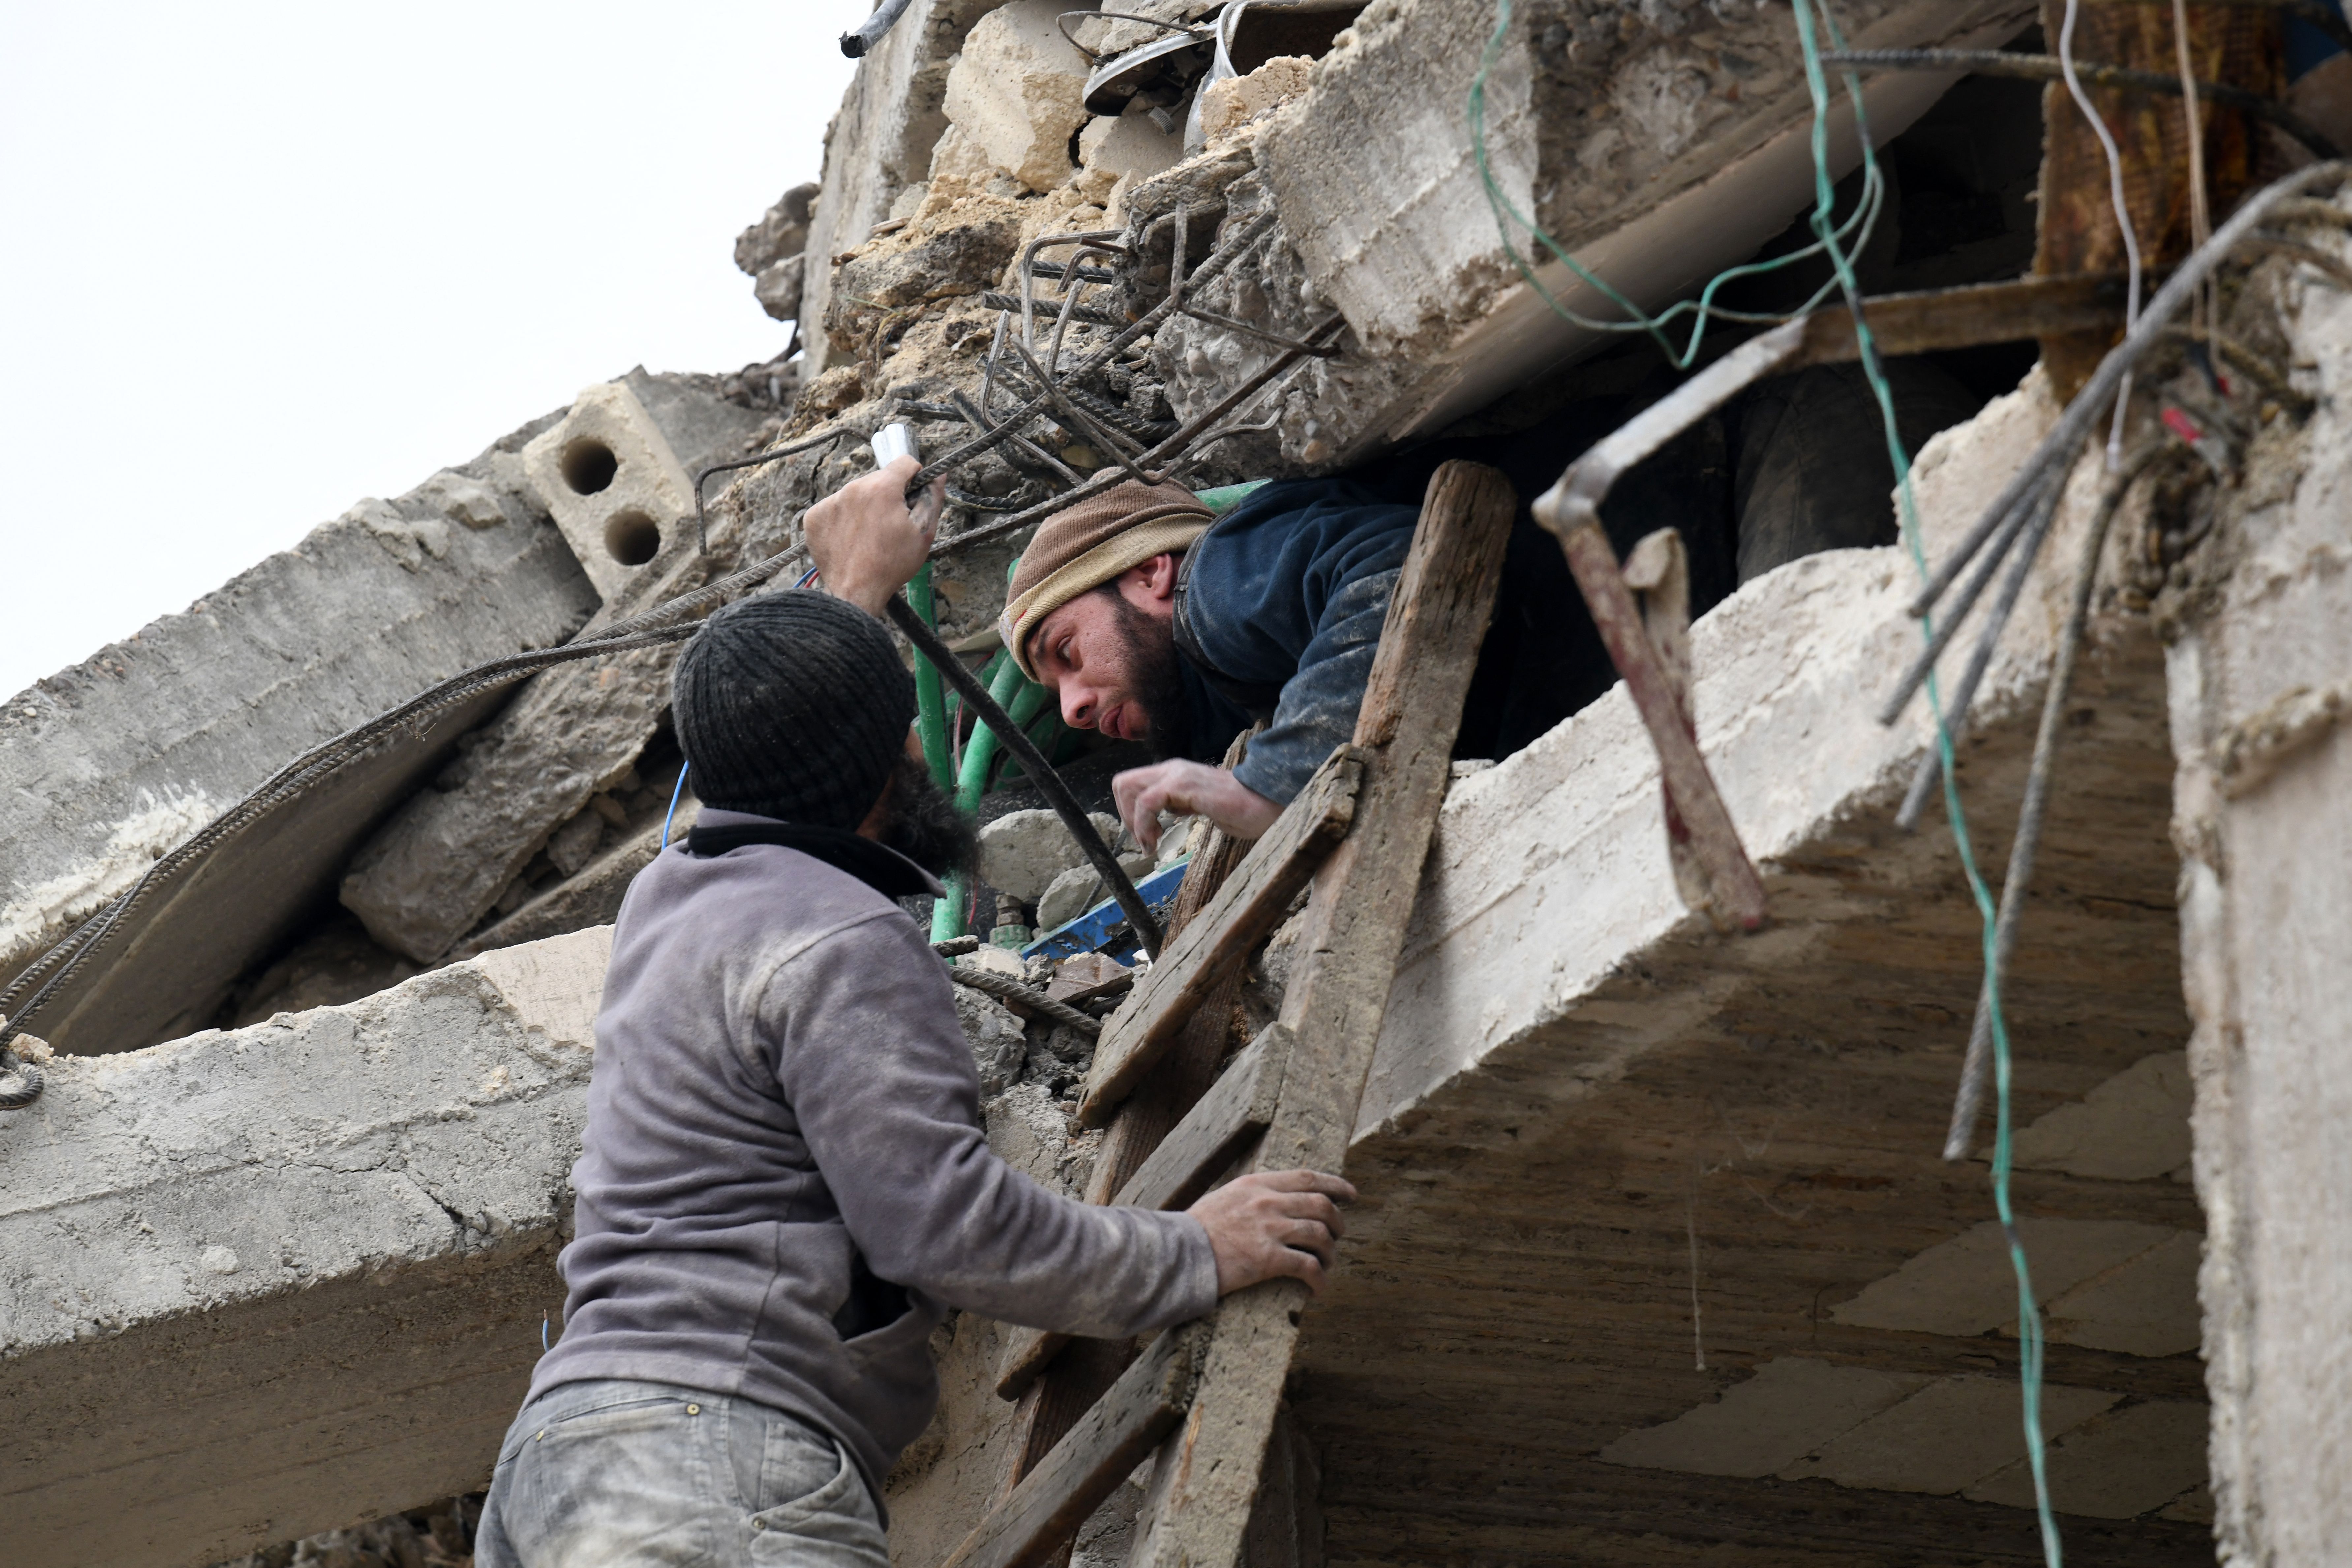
1021, 698
1704, 308
2029, 1331
930, 694
978, 752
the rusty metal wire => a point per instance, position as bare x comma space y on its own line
1007, 989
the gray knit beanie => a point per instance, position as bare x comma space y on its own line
791, 705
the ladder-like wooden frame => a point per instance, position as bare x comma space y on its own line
1207, 1394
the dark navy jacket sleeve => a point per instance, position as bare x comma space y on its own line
1289, 591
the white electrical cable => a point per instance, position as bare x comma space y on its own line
2123, 218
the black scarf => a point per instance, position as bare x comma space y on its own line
885, 870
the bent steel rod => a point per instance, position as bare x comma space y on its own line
1570, 511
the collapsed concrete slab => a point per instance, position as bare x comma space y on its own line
1657, 149
262, 1283
105, 767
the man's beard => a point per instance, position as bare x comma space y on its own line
924, 823
1154, 678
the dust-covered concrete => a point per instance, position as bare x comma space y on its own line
2260, 661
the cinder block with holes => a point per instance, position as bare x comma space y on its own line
613, 484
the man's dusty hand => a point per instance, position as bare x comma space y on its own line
865, 542
1271, 1224
1190, 789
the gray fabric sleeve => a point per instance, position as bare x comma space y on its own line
881, 1081
1317, 710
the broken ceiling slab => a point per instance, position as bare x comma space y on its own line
1658, 149
1955, 1431
106, 766
1967, 1286
1614, 1165
1792, 1407
2132, 1128
2117, 1465
261, 1283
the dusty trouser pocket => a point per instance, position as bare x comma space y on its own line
628, 1474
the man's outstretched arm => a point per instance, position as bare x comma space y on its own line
867, 542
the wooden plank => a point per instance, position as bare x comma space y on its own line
1244, 912
1212, 1133
1085, 1371
1963, 318
1088, 1464
1209, 1468
1209, 1139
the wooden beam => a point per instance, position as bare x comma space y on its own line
1208, 1469
1244, 912
1209, 1139
1963, 318
1087, 1465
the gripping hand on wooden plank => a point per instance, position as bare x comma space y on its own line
1274, 1224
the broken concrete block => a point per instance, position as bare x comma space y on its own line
782, 232
262, 1283
589, 897
1081, 888
409, 541
1018, 91
778, 288
616, 487
1022, 852
470, 501
1233, 102
1128, 143
575, 842
439, 864
998, 1045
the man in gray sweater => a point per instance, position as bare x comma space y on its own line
784, 1185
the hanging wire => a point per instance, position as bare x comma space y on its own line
2123, 209
2029, 1338
1703, 309
2201, 213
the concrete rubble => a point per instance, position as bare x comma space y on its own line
1655, 1262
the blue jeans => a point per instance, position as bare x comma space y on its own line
626, 1475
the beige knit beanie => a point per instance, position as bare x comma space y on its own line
1090, 544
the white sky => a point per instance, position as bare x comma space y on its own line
259, 260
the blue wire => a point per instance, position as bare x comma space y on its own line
676, 790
